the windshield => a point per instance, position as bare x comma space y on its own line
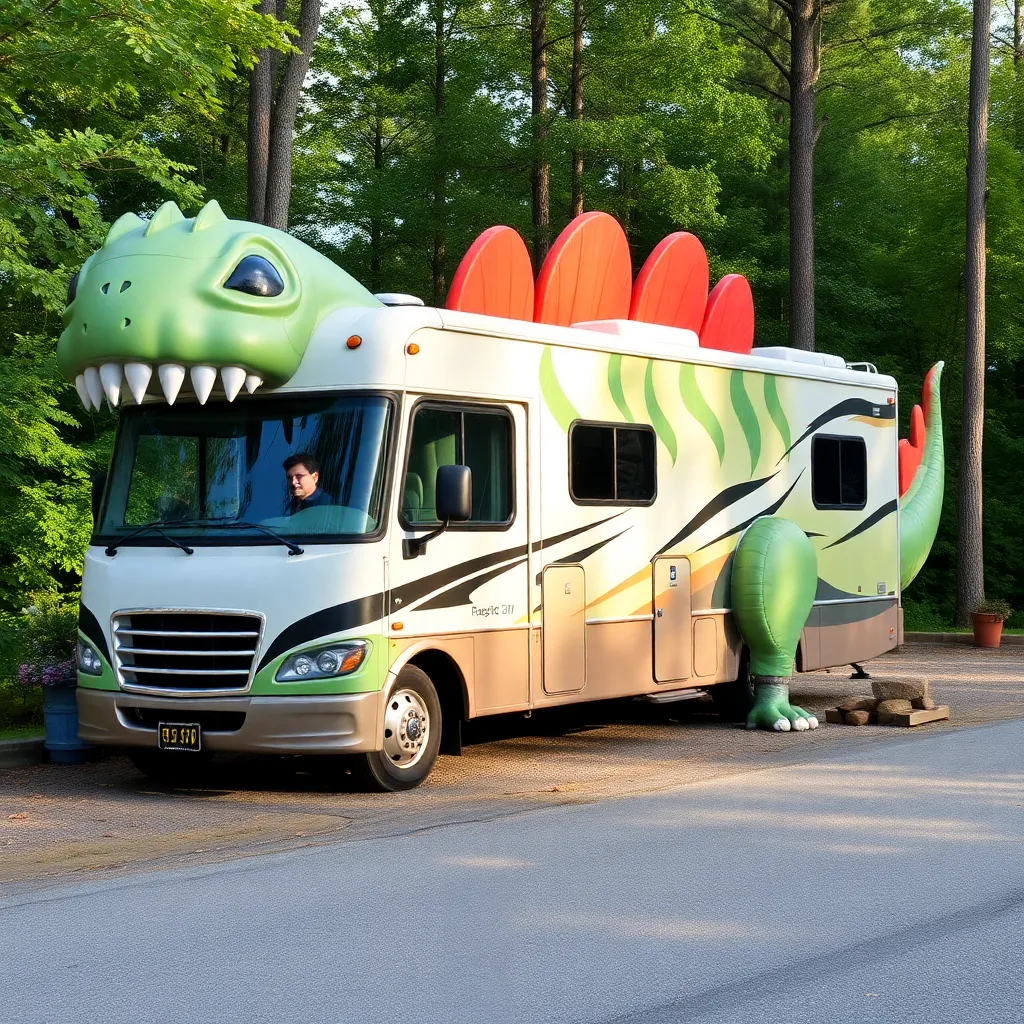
208, 471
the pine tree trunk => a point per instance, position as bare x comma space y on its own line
286, 107
375, 229
261, 102
437, 262
539, 93
576, 103
803, 73
970, 577
1018, 73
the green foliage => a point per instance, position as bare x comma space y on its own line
995, 606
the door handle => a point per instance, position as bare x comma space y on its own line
660, 612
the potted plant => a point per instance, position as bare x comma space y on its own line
988, 618
49, 641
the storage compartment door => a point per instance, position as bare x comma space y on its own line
564, 597
673, 656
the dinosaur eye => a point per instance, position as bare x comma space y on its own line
255, 276
73, 287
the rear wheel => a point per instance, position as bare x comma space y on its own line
734, 700
412, 736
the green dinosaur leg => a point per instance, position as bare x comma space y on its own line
772, 709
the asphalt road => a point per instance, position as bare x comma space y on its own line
880, 883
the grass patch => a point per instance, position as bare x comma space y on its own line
24, 732
20, 708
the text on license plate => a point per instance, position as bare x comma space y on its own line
175, 736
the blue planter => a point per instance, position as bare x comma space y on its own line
60, 717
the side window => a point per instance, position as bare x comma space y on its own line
612, 464
474, 436
839, 472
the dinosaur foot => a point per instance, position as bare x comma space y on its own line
772, 709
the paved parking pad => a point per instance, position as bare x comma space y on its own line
104, 819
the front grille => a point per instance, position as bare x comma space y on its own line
188, 650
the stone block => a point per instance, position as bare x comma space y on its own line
924, 703
856, 703
899, 689
858, 717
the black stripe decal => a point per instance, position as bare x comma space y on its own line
402, 597
879, 514
90, 626
720, 501
848, 407
329, 620
352, 614
461, 593
855, 611
826, 592
578, 556
769, 511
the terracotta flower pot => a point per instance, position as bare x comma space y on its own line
988, 629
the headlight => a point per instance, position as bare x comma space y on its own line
337, 659
88, 660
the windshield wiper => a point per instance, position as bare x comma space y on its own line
293, 548
111, 549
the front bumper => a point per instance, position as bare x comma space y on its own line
334, 724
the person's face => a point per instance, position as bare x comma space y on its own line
301, 483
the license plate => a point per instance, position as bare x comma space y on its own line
176, 736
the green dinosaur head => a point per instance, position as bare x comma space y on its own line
173, 295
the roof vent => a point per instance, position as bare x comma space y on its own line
798, 355
863, 367
398, 299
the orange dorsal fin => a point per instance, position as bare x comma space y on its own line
729, 317
587, 274
911, 452
672, 286
494, 277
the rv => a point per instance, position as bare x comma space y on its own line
513, 516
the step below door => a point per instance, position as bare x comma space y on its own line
564, 597
673, 654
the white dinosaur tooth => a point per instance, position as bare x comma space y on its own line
232, 377
172, 376
138, 376
203, 379
93, 386
110, 378
83, 392
252, 382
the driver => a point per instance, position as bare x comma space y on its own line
303, 473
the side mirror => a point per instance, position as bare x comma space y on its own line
99, 484
453, 499
454, 493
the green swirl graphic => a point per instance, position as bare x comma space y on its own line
775, 410
658, 419
615, 386
745, 414
698, 408
555, 398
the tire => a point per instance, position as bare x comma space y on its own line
734, 700
412, 736
172, 769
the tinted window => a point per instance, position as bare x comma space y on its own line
612, 464
470, 436
839, 474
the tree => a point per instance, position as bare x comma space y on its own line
970, 578
275, 88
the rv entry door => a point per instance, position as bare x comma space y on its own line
673, 656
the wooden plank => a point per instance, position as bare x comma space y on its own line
938, 714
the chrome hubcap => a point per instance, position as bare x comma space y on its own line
406, 728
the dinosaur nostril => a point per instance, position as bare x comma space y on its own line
85, 327
127, 322
105, 288
125, 285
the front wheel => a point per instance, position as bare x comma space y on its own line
412, 736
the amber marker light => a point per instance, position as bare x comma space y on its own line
396, 626
352, 661
412, 348
354, 341
891, 400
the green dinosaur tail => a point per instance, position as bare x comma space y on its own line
921, 505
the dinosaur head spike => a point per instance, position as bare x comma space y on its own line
209, 215
125, 223
167, 215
